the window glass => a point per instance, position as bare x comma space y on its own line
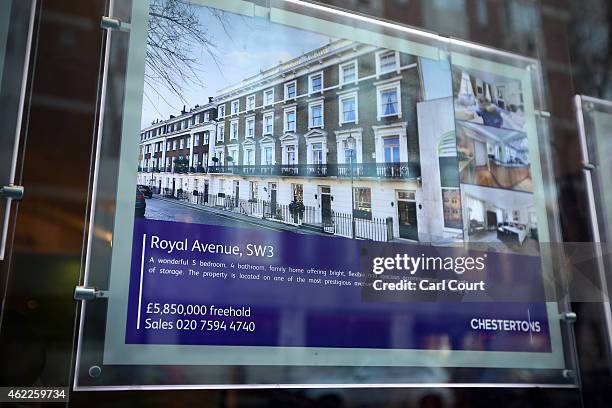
392, 150
388, 62
348, 110
316, 115
389, 102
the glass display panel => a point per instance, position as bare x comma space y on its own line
259, 266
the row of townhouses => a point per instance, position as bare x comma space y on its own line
335, 130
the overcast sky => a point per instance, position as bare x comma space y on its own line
252, 44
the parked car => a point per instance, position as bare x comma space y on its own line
146, 190
141, 204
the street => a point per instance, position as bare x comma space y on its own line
170, 210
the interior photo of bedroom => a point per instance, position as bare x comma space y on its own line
493, 157
504, 218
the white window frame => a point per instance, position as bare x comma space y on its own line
220, 154
246, 148
221, 110
246, 126
313, 137
264, 149
249, 99
234, 136
285, 111
265, 102
342, 97
220, 132
310, 78
196, 139
174, 144
379, 55
232, 149
310, 117
250, 152
232, 110
341, 72
384, 86
263, 123
341, 138
287, 85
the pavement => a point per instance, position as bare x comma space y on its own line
168, 209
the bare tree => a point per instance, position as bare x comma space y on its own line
175, 35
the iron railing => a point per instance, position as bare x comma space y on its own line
334, 222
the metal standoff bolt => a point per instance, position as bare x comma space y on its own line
588, 166
568, 373
110, 23
88, 293
12, 191
95, 371
569, 317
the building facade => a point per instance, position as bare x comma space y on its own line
334, 130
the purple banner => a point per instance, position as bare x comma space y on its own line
197, 284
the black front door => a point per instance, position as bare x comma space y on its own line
206, 192
272, 187
236, 192
173, 187
406, 211
326, 215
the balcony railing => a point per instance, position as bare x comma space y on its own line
402, 170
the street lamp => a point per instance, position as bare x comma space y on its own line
350, 144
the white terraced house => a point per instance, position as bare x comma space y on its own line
329, 140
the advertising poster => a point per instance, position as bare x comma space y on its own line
290, 168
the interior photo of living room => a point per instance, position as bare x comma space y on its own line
488, 99
503, 219
493, 157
